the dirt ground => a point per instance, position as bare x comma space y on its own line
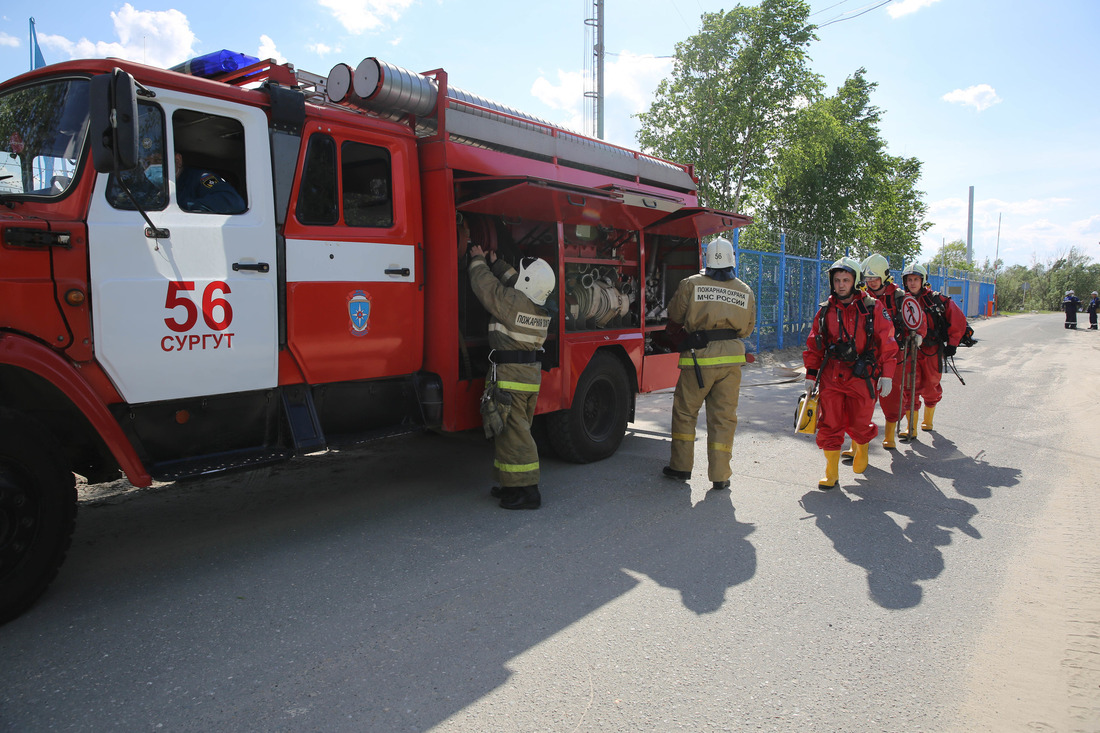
1038, 667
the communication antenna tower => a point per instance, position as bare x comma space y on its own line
594, 66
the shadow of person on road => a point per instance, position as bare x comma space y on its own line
974, 478
867, 525
711, 554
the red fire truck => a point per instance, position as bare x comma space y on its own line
235, 262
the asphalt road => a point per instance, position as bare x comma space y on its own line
381, 589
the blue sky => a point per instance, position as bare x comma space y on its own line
996, 94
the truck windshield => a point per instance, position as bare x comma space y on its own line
42, 132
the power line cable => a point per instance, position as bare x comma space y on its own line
865, 9
834, 5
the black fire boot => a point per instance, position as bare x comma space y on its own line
674, 474
503, 492
719, 485
526, 497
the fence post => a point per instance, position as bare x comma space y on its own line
782, 287
737, 252
817, 274
759, 294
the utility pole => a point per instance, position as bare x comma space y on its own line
596, 95
997, 250
996, 254
970, 230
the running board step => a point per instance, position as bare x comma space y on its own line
301, 416
218, 463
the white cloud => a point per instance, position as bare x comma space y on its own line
6, 40
629, 81
158, 38
980, 96
634, 78
358, 16
905, 7
1029, 229
321, 49
268, 50
567, 94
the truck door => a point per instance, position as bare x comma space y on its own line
194, 312
354, 300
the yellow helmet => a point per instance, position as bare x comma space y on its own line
876, 266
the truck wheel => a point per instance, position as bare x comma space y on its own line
37, 511
594, 425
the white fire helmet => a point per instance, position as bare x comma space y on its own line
915, 269
876, 266
720, 254
536, 279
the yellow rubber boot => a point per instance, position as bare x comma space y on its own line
929, 411
859, 463
911, 428
849, 454
832, 470
888, 441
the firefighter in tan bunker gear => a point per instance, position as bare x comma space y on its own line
707, 317
517, 330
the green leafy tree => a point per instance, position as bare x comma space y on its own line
896, 217
733, 86
952, 255
833, 177
1042, 286
1071, 271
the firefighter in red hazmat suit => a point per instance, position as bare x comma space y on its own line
851, 354
946, 326
878, 284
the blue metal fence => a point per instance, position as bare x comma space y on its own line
789, 289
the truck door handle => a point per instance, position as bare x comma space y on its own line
253, 266
402, 271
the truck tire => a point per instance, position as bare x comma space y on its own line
37, 511
594, 425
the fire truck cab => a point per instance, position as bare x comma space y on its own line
234, 262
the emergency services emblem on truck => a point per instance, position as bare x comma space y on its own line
359, 312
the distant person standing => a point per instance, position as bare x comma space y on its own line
1093, 305
1069, 305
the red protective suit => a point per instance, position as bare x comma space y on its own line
846, 404
930, 355
895, 404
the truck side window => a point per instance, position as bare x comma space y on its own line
209, 163
317, 192
146, 182
367, 191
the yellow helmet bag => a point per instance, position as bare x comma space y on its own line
805, 417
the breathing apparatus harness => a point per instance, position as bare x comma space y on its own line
935, 305
864, 364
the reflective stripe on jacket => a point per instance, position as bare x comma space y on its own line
517, 324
